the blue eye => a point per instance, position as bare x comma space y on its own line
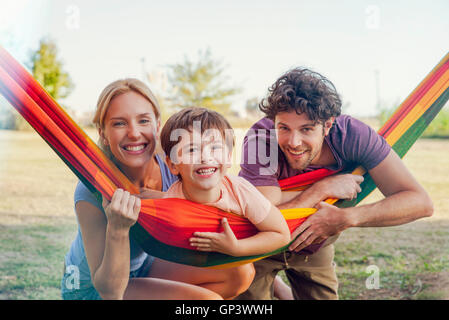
118, 124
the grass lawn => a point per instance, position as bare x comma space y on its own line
413, 259
37, 225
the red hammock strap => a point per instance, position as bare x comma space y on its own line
305, 178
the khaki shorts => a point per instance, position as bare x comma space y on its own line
311, 277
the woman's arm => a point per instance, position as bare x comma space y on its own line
106, 242
273, 234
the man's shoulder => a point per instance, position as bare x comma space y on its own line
354, 141
349, 127
261, 131
263, 123
347, 121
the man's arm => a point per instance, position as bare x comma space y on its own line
405, 201
341, 186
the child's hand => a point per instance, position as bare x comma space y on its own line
224, 242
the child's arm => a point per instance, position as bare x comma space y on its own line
273, 234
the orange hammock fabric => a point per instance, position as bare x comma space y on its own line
165, 225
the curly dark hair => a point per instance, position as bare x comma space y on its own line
302, 90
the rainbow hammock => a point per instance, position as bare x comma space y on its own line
164, 225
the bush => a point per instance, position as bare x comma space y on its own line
439, 127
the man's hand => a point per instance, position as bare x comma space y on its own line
341, 186
224, 242
326, 222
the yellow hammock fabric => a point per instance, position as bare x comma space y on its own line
165, 225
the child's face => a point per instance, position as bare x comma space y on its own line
201, 159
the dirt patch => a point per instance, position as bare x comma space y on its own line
429, 286
437, 286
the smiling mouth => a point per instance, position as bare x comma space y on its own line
135, 148
296, 153
206, 171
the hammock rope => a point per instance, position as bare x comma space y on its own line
165, 225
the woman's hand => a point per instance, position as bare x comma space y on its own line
342, 186
123, 210
224, 242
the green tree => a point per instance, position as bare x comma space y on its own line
47, 68
200, 83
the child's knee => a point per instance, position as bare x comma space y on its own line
205, 294
243, 277
211, 296
250, 272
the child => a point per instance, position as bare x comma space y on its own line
198, 143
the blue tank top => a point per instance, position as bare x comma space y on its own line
77, 256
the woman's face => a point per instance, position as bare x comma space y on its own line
130, 130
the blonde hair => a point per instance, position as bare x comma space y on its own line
117, 88
113, 90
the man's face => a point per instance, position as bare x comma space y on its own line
300, 139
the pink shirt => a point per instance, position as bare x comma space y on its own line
237, 196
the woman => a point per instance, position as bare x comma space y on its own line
103, 261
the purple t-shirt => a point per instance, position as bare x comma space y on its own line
352, 143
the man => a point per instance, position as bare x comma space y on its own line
304, 131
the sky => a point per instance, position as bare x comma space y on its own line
371, 50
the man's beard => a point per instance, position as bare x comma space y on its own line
294, 164
299, 165
302, 164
